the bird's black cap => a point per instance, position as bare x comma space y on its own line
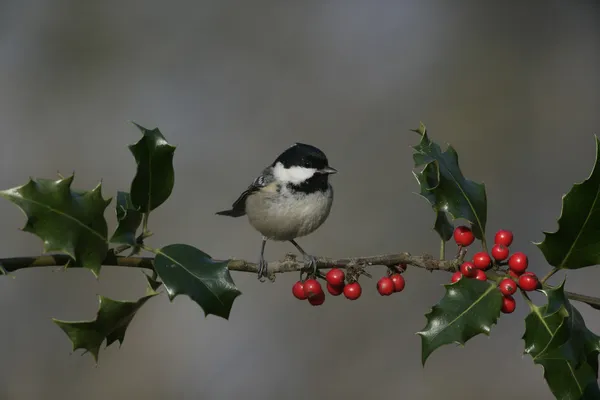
302, 155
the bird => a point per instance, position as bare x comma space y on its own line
291, 198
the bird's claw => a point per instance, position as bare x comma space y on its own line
262, 269
310, 263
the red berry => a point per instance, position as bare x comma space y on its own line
398, 282
514, 274
528, 281
508, 304
401, 267
507, 286
317, 299
385, 286
518, 262
352, 291
468, 269
503, 237
312, 288
482, 260
500, 252
335, 277
456, 276
335, 290
481, 276
463, 236
298, 290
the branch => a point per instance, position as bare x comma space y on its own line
291, 264
63, 260
288, 264
593, 302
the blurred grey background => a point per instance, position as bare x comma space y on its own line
513, 86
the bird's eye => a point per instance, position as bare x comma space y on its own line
306, 164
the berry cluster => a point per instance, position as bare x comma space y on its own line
463, 236
517, 265
392, 283
312, 291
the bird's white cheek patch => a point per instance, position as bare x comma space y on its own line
295, 175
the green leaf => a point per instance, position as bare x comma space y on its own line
444, 186
556, 297
561, 343
184, 269
111, 322
153, 282
155, 177
545, 332
569, 383
470, 307
576, 243
68, 221
129, 220
443, 226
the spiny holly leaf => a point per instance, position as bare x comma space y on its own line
545, 332
184, 269
443, 226
576, 243
68, 221
111, 322
570, 383
563, 332
470, 307
556, 297
155, 177
129, 220
585, 342
444, 186
564, 346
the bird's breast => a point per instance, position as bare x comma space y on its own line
284, 215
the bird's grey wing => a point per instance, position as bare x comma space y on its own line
239, 206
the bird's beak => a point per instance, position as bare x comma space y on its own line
328, 170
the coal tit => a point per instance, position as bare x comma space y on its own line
291, 198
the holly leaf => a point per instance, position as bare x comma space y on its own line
443, 226
569, 383
68, 221
112, 319
470, 307
556, 297
545, 332
444, 186
576, 243
561, 343
184, 269
129, 220
155, 177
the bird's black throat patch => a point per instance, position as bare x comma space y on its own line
318, 182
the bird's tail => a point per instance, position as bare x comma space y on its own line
232, 213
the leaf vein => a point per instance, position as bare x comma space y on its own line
564, 260
78, 222
191, 273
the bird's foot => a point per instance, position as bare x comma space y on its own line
262, 269
310, 263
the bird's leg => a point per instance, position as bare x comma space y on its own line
309, 261
262, 264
